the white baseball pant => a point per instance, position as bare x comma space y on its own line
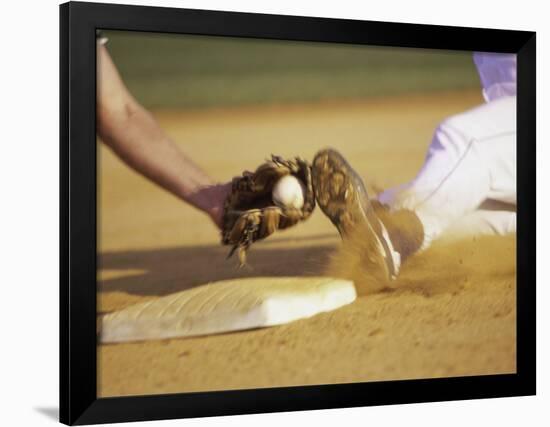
467, 185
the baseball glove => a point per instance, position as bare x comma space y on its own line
249, 211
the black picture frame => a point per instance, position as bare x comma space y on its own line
78, 370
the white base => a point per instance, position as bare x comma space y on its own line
228, 305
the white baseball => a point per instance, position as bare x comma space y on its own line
289, 192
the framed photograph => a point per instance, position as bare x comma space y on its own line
267, 213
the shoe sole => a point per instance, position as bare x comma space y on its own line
343, 198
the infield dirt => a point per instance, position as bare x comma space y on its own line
452, 312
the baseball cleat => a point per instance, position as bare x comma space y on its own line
342, 196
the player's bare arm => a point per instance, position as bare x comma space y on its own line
135, 136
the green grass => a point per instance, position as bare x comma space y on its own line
172, 71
